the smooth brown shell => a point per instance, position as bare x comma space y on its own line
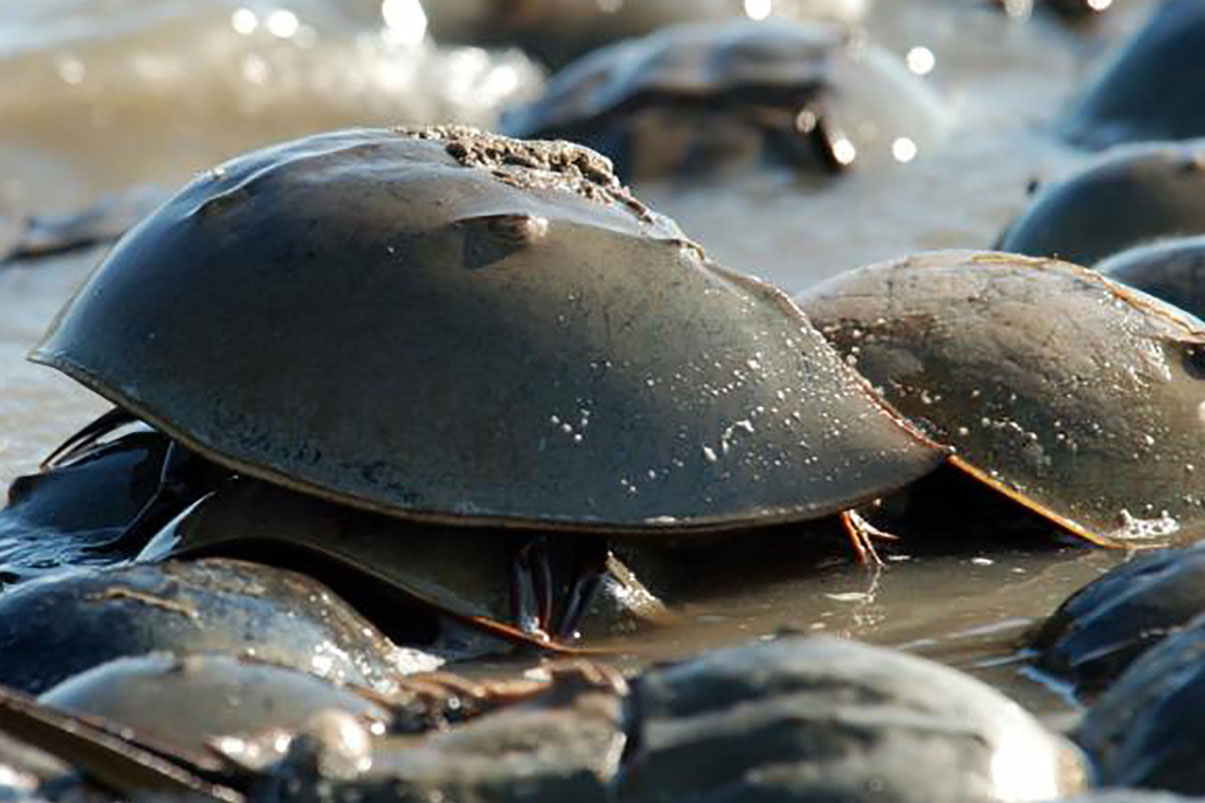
447, 324
1082, 398
466, 573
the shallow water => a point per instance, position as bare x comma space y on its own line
103, 94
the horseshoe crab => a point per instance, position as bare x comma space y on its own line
203, 701
694, 98
1078, 397
827, 719
352, 551
102, 222
559, 30
1128, 197
1144, 92
1146, 730
457, 328
1100, 629
56, 627
1173, 270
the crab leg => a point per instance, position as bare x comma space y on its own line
553, 585
862, 534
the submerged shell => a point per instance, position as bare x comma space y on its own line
1173, 270
1078, 396
1128, 197
1151, 89
191, 701
56, 627
75, 512
1147, 729
102, 222
1104, 626
449, 324
695, 97
824, 719
425, 562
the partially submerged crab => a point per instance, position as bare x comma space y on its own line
694, 99
1129, 196
460, 329
560, 30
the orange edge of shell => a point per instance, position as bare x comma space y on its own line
1072, 527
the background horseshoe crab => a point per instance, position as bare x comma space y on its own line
1077, 396
1128, 196
1140, 95
700, 99
560, 30
461, 573
1173, 270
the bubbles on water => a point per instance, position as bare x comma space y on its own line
282, 23
1133, 528
405, 21
244, 21
844, 152
920, 60
758, 9
71, 70
903, 149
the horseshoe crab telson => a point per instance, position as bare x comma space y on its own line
1080, 398
422, 562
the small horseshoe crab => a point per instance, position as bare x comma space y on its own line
1173, 270
1129, 196
1143, 94
468, 331
695, 98
1078, 397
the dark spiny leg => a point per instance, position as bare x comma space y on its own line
556, 579
88, 436
527, 596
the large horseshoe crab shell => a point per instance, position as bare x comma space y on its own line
695, 97
1075, 395
447, 324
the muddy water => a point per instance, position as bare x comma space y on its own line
98, 95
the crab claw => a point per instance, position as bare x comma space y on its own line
554, 579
